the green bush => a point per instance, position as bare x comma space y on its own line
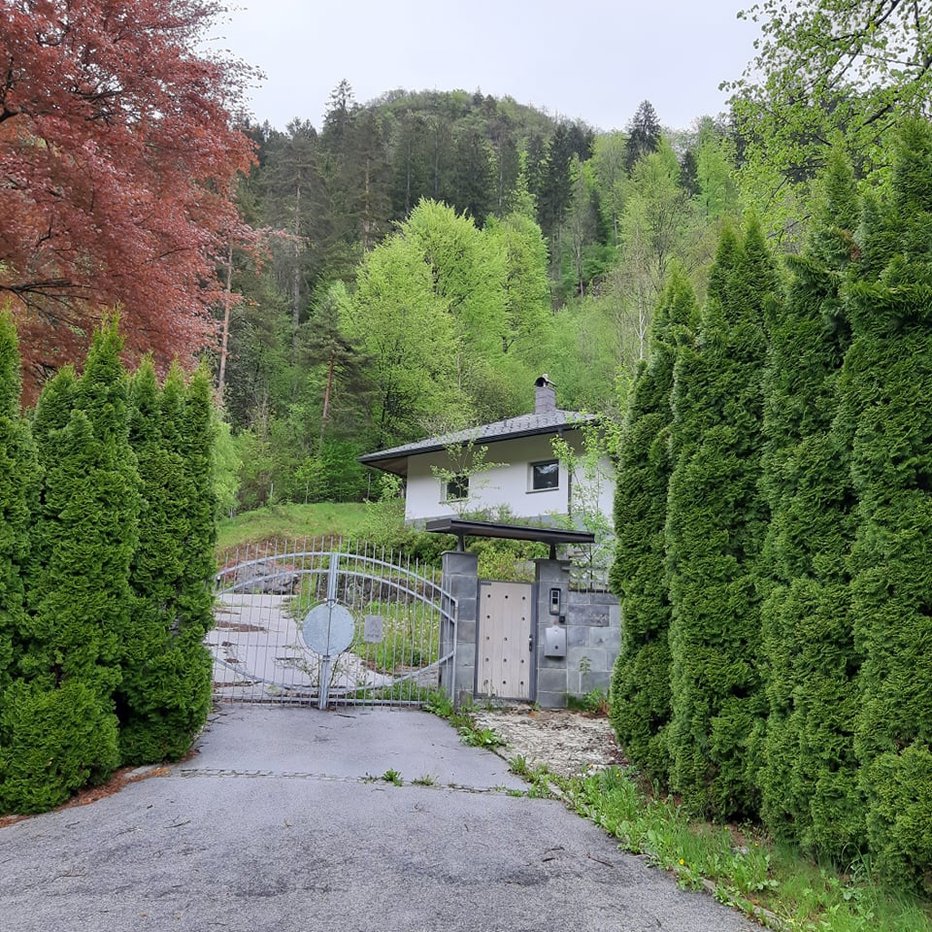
149, 698
75, 634
809, 781
640, 691
715, 526
885, 388
19, 478
58, 739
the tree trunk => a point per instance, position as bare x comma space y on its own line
328, 390
227, 305
296, 274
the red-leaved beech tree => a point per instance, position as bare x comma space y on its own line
118, 160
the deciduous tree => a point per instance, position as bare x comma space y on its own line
118, 160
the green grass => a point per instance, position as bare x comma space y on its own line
292, 522
746, 870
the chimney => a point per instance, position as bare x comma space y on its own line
545, 395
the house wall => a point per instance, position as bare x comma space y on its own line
502, 486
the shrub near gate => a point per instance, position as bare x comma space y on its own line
715, 526
640, 692
59, 725
84, 637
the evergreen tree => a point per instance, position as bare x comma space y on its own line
19, 477
643, 134
809, 779
150, 705
58, 720
640, 693
885, 388
715, 526
473, 190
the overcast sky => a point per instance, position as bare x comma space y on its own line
589, 59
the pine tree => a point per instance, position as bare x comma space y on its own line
885, 389
715, 527
809, 781
640, 693
643, 134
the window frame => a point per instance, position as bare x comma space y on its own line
449, 494
531, 475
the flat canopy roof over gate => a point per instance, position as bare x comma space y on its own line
463, 528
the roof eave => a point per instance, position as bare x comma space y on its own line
379, 461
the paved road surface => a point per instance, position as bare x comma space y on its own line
274, 827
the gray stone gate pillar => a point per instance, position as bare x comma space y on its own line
461, 582
551, 671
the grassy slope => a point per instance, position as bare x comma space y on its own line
290, 522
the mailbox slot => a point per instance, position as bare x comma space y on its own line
554, 641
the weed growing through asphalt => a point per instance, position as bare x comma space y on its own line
393, 777
425, 780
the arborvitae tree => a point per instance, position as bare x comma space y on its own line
809, 780
715, 526
643, 134
59, 720
640, 693
54, 407
196, 446
151, 707
885, 388
58, 725
19, 476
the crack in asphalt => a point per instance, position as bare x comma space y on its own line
331, 778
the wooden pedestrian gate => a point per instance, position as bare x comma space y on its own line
331, 623
505, 657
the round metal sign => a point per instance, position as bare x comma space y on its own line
328, 629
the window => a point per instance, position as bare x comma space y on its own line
545, 475
456, 489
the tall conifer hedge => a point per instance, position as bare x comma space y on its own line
809, 781
886, 387
640, 691
59, 720
19, 481
165, 694
715, 527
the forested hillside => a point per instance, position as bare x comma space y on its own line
546, 243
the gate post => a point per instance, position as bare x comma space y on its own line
461, 582
551, 671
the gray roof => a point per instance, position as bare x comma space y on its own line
395, 459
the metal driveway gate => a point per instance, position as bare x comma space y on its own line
331, 624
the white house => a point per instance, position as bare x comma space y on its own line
523, 474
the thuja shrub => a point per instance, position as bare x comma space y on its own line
19, 478
885, 388
60, 727
640, 689
165, 695
147, 697
716, 520
809, 778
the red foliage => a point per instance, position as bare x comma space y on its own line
118, 160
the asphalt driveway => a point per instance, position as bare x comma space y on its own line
277, 824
